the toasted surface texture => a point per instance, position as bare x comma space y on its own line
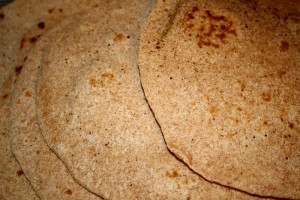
223, 82
47, 174
22, 24
92, 112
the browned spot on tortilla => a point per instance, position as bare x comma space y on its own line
284, 46
195, 9
5, 96
18, 101
266, 96
69, 192
51, 10
239, 109
20, 173
207, 28
93, 82
108, 75
18, 70
22, 43
243, 86
33, 39
213, 109
119, 37
41, 25
172, 174
28, 94
291, 125
38, 152
230, 135
281, 73
2, 16
60, 10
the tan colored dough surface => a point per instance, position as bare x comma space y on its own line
223, 82
47, 174
22, 23
93, 114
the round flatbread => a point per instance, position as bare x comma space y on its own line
92, 112
222, 79
47, 174
15, 20
22, 24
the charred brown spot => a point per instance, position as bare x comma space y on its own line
20, 173
189, 26
266, 96
190, 16
195, 9
221, 36
239, 109
93, 82
214, 17
38, 152
243, 86
69, 192
18, 70
28, 94
51, 10
291, 125
213, 110
22, 43
5, 96
2, 16
209, 29
119, 37
172, 174
281, 73
108, 75
284, 46
60, 10
41, 25
33, 39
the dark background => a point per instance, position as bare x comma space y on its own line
4, 2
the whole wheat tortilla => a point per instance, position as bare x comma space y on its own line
22, 23
47, 174
13, 183
93, 114
223, 82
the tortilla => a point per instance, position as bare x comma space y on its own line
22, 23
46, 172
93, 115
223, 82
14, 184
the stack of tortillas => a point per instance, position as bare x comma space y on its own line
144, 99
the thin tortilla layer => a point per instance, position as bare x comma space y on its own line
22, 24
223, 82
46, 172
